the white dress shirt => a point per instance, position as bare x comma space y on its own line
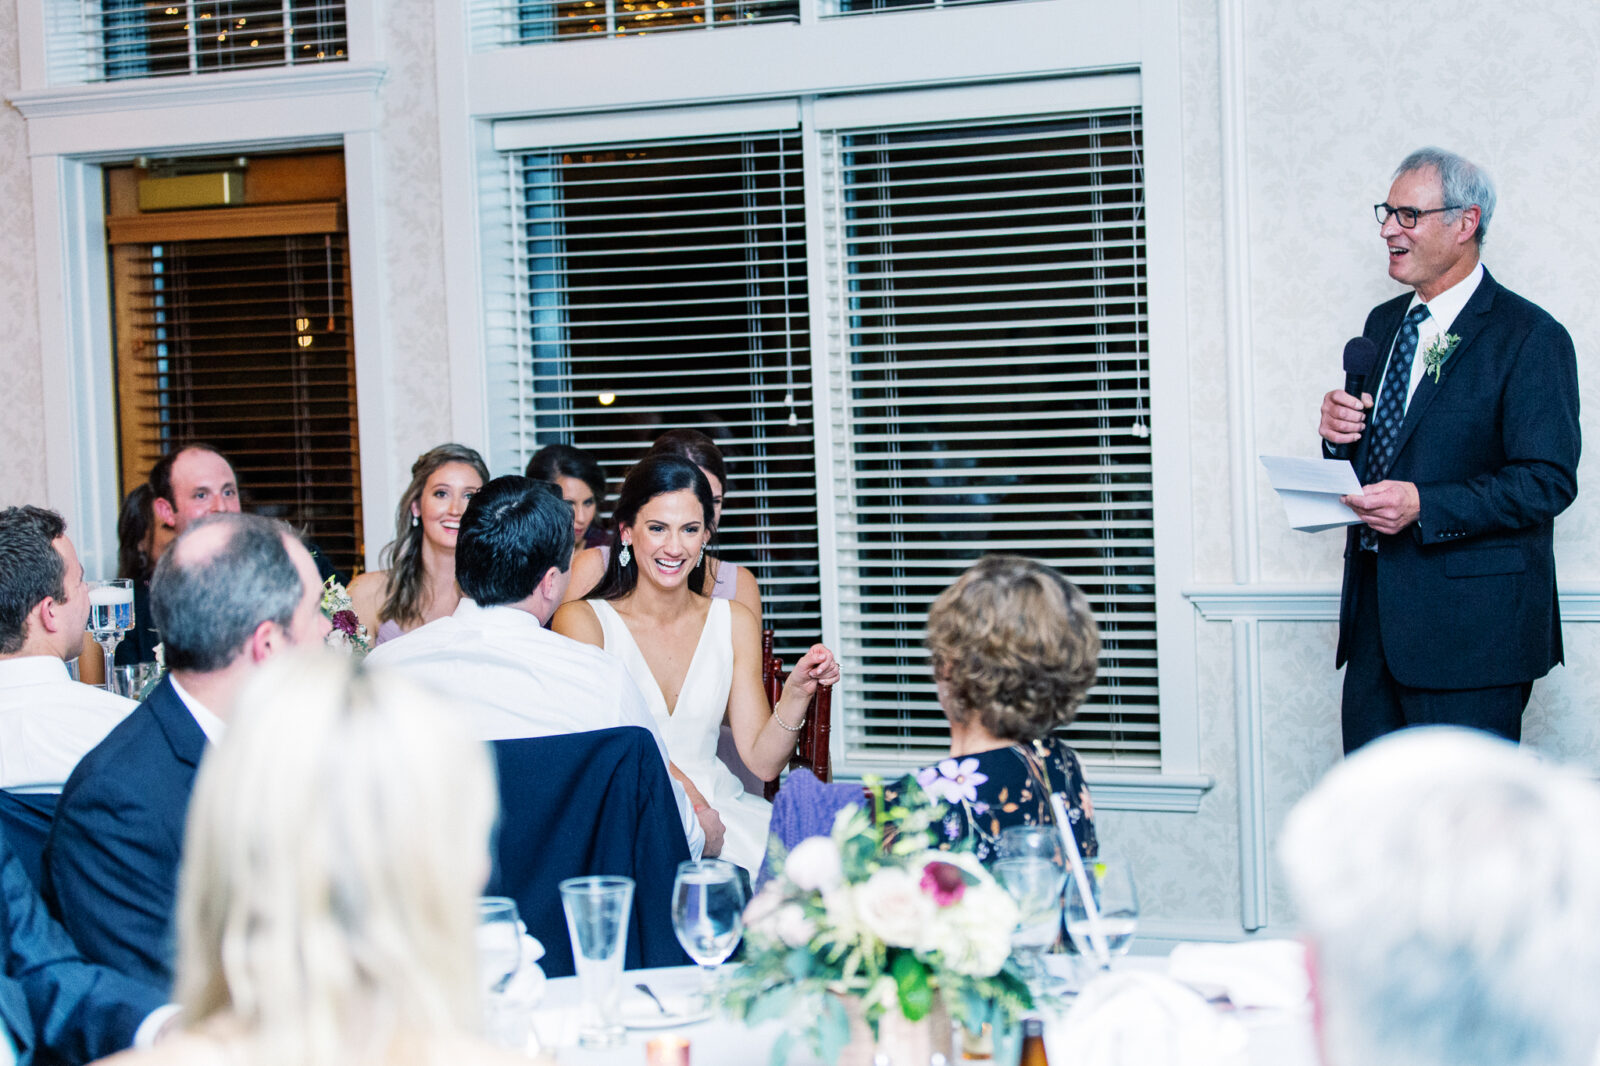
49, 721
511, 678
1442, 312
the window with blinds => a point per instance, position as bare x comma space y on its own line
244, 342
502, 23
112, 40
992, 383
657, 285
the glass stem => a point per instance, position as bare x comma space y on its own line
110, 651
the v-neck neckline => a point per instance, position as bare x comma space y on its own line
655, 683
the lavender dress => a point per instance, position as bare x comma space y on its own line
387, 630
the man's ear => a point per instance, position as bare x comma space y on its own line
46, 614
550, 584
164, 512
1468, 222
266, 640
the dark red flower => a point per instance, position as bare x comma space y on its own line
345, 622
944, 882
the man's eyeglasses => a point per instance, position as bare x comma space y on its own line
1406, 216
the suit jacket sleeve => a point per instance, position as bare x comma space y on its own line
1540, 439
111, 868
79, 1011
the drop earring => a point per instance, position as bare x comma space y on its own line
626, 557
415, 521
702, 557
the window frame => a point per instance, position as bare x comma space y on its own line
920, 55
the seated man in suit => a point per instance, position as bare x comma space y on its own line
231, 592
47, 720
494, 656
187, 485
53, 1005
1447, 885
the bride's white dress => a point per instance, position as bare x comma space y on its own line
691, 730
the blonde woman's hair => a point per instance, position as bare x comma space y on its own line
336, 845
1014, 644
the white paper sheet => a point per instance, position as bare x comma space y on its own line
1310, 490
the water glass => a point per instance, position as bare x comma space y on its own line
1117, 900
1042, 841
1034, 883
598, 909
499, 960
110, 616
708, 912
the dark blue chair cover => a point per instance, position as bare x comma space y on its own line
25, 820
589, 803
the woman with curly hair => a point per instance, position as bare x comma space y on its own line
420, 582
1015, 650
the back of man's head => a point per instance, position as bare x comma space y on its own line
1448, 884
514, 530
30, 569
222, 577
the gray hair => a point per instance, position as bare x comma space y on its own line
1465, 183
220, 579
1448, 883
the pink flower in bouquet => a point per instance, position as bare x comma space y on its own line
944, 882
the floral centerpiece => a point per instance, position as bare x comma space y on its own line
347, 634
873, 913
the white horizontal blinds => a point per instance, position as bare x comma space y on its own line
501, 23
995, 385
663, 285
110, 40
245, 344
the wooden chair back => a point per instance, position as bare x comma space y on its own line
812, 750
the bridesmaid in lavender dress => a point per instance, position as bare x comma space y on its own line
420, 582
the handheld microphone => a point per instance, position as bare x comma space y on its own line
1360, 356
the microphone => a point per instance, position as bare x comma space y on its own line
1360, 356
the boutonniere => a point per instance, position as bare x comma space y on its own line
1433, 359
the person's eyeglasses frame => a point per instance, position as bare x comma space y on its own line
1386, 211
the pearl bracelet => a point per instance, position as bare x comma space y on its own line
785, 725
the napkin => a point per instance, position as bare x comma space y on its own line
1257, 973
1144, 1019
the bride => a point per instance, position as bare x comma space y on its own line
694, 657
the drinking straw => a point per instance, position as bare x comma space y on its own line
1097, 936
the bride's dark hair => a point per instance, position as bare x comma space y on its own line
655, 475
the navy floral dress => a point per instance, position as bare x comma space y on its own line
993, 790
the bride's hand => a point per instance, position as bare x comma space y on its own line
816, 667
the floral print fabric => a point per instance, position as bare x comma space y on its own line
993, 790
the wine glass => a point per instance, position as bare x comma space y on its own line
1034, 882
1116, 898
110, 616
708, 913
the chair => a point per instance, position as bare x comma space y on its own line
25, 819
812, 750
589, 803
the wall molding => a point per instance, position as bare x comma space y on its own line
1269, 602
143, 94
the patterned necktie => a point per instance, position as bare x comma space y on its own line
1390, 412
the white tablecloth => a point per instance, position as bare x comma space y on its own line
1277, 1037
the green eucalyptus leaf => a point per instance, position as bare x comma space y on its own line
911, 980
833, 1029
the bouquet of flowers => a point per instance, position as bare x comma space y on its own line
347, 634
873, 912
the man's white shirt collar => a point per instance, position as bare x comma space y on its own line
212, 726
1444, 308
33, 670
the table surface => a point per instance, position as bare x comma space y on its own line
1277, 1037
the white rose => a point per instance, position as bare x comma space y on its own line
761, 909
974, 936
893, 906
793, 927
813, 865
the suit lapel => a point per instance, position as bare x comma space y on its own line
1468, 324
183, 733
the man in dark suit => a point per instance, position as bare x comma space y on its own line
53, 1005
232, 591
1449, 608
